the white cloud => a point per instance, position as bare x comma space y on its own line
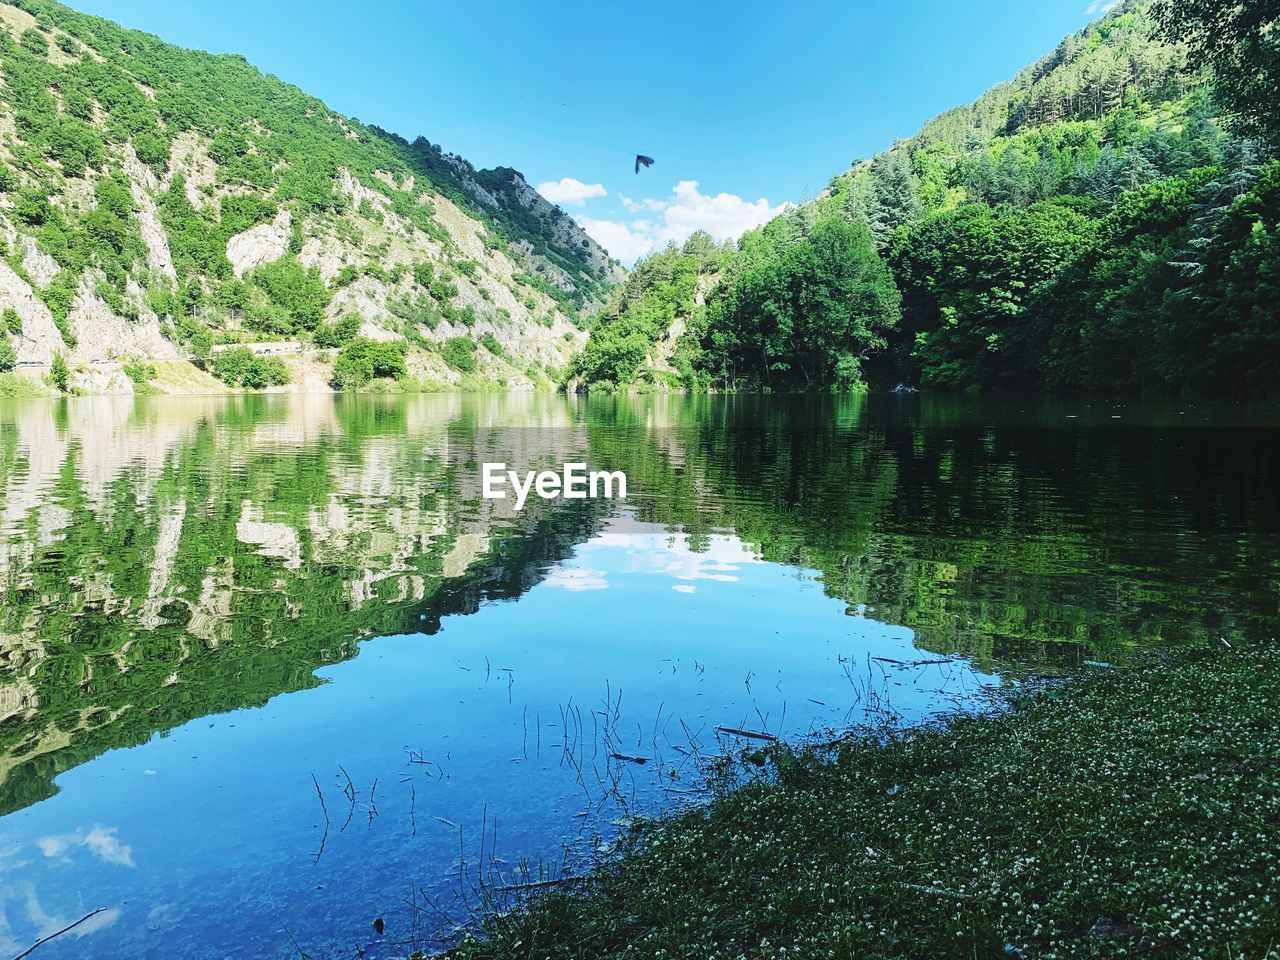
622, 241
1099, 7
635, 206
570, 191
724, 215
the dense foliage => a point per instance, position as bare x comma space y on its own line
241, 367
799, 311
660, 292
1240, 42
362, 360
459, 353
1099, 224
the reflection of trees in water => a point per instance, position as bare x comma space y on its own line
160, 561
1013, 533
165, 561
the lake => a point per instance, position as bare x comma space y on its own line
271, 667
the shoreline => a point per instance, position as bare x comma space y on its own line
1125, 812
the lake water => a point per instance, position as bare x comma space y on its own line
270, 667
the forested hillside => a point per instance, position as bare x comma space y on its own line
161, 205
1105, 222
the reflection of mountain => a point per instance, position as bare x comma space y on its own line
161, 562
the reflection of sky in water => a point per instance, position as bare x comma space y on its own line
204, 842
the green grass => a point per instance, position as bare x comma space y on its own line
1130, 812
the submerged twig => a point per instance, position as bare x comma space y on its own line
751, 734
42, 940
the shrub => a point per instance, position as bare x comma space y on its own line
33, 41
139, 371
240, 366
459, 353
337, 333
418, 311
443, 290
201, 345
362, 359
298, 294
8, 356
32, 207
492, 345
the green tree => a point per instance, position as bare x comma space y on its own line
1238, 40
297, 294
459, 353
59, 374
362, 360
335, 334
240, 366
660, 290
970, 277
804, 314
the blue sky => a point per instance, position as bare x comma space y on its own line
743, 105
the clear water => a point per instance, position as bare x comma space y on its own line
271, 668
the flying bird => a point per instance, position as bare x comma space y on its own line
642, 159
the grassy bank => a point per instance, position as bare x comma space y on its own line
1134, 812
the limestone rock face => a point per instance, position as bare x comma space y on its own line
261, 244
101, 380
40, 338
101, 335
142, 185
40, 267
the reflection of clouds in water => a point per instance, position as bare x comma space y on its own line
20, 902
650, 552
101, 841
9, 858
576, 578
647, 553
663, 553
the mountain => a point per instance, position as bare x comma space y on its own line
161, 205
1096, 224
